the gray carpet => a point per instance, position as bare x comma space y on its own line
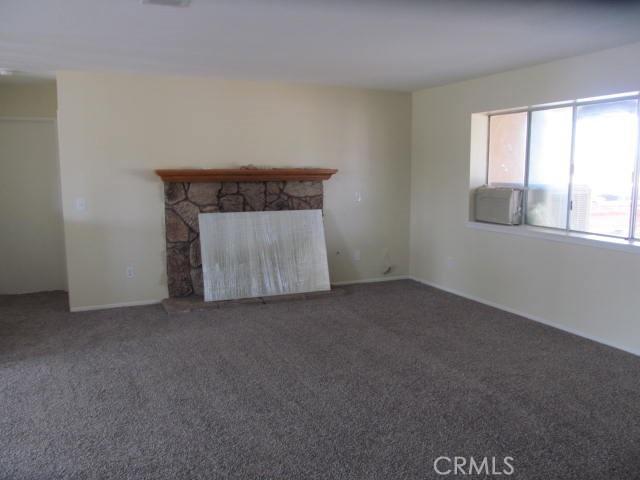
374, 384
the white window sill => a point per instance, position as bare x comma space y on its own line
560, 236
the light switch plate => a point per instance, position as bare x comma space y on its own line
80, 204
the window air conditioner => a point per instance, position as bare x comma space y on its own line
498, 205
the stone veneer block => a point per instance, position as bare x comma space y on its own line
179, 270
258, 254
204, 193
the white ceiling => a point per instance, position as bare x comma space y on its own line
394, 44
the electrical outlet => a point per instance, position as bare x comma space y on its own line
131, 272
356, 255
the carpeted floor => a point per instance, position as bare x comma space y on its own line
374, 384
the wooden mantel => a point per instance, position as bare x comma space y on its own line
246, 174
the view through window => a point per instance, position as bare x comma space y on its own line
507, 148
577, 162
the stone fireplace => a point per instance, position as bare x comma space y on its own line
188, 193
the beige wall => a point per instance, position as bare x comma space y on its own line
34, 99
115, 129
32, 240
593, 291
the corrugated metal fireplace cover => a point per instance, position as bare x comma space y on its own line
258, 254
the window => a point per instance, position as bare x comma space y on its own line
507, 148
604, 164
578, 164
549, 167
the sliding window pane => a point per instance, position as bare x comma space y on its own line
604, 160
549, 167
507, 146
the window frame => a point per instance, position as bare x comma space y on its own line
574, 104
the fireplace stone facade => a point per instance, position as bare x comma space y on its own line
184, 201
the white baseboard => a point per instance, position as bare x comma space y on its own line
137, 303
373, 280
528, 316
